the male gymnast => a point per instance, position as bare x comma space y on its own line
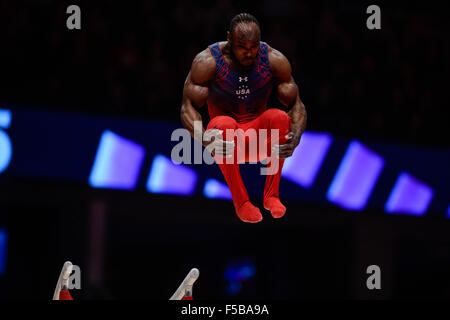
235, 79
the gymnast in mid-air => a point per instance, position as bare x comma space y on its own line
235, 78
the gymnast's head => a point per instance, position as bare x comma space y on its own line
243, 38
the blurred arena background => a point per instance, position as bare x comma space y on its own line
376, 102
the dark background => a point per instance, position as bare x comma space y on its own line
130, 60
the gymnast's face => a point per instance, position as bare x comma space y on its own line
244, 42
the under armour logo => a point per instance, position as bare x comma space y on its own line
243, 79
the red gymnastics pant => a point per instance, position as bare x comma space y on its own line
269, 119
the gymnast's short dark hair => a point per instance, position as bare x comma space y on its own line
242, 17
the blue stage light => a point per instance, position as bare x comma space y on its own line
237, 272
117, 163
234, 287
3, 250
5, 141
5, 118
169, 178
409, 196
302, 167
216, 190
356, 177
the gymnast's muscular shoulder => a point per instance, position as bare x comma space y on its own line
281, 68
203, 69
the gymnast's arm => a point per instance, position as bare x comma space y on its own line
289, 96
196, 91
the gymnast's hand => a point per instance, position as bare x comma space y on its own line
218, 146
286, 150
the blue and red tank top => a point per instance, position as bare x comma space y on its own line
241, 95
